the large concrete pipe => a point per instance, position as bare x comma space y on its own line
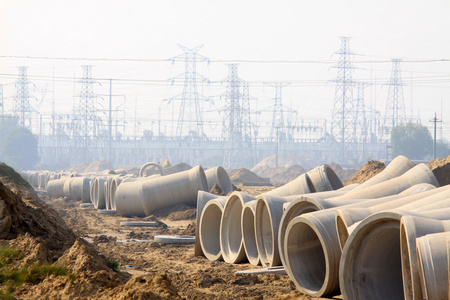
113, 184
220, 176
300, 185
324, 179
412, 228
268, 212
98, 188
78, 188
371, 265
418, 174
33, 179
231, 242
348, 218
311, 246
433, 265
145, 166
209, 228
55, 188
141, 198
398, 166
202, 199
248, 232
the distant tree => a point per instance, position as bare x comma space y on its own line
411, 140
20, 148
442, 149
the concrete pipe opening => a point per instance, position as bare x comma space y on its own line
145, 166
371, 262
209, 231
342, 231
264, 234
220, 176
248, 233
305, 257
406, 263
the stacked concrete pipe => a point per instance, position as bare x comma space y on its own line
78, 188
218, 175
55, 188
141, 198
98, 196
373, 252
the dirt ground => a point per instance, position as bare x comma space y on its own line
193, 277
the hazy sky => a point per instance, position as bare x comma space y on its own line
303, 33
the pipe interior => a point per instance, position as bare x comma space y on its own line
94, 195
248, 227
112, 194
376, 267
406, 266
210, 229
306, 257
232, 234
266, 235
224, 180
311, 187
333, 178
342, 231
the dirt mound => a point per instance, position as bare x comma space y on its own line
287, 175
343, 174
367, 171
179, 211
98, 166
190, 230
245, 175
441, 169
284, 161
180, 167
165, 163
217, 190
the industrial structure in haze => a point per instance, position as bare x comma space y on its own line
90, 132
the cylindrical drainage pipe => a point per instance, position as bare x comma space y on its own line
324, 179
78, 188
248, 232
220, 176
55, 188
143, 197
373, 253
145, 166
300, 185
209, 228
99, 193
231, 242
202, 199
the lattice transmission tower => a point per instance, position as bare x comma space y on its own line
360, 127
246, 121
22, 106
395, 106
343, 120
232, 121
190, 119
278, 111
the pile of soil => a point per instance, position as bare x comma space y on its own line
180, 167
165, 163
217, 190
98, 166
441, 170
287, 176
367, 171
343, 174
284, 161
244, 175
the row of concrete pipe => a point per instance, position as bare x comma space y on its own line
130, 195
388, 238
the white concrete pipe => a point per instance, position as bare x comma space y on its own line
249, 233
311, 248
55, 188
209, 228
418, 174
268, 212
202, 199
220, 176
231, 242
347, 218
433, 265
371, 265
300, 185
78, 188
412, 228
113, 184
98, 192
324, 179
145, 166
397, 167
33, 179
141, 198
42, 180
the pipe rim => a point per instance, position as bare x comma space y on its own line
209, 230
230, 227
248, 225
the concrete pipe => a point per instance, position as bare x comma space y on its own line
268, 213
113, 184
145, 166
299, 186
371, 265
249, 233
316, 233
143, 197
34, 179
418, 174
55, 188
398, 166
324, 179
202, 199
231, 242
42, 180
433, 265
346, 218
98, 188
209, 228
78, 188
412, 228
220, 176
